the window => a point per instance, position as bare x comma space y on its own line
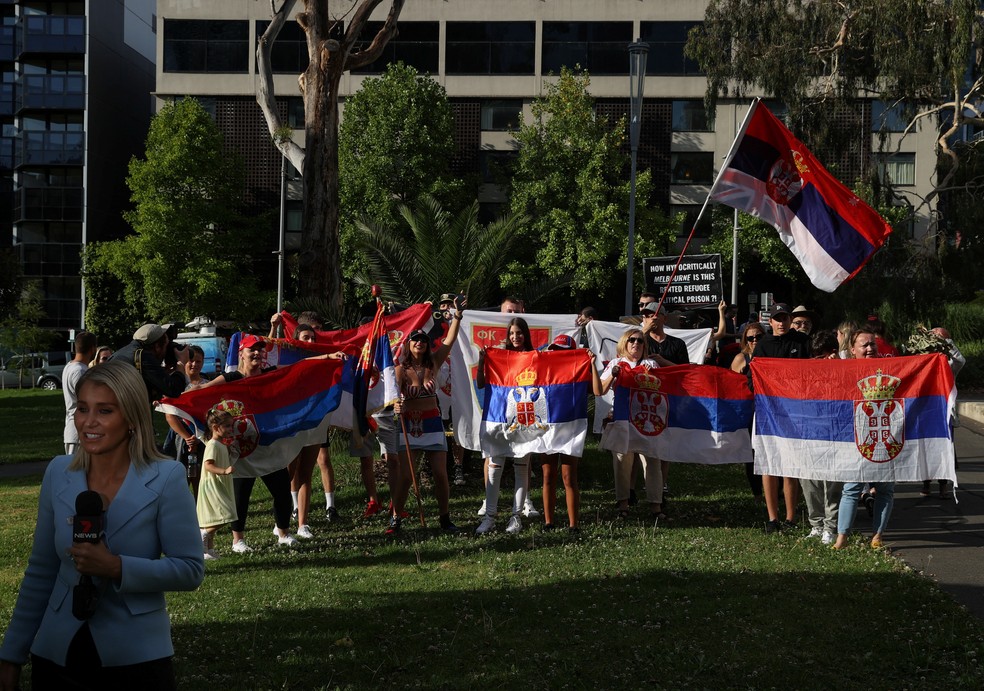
885, 118
690, 116
196, 45
501, 116
289, 54
295, 112
497, 166
692, 168
691, 212
897, 169
490, 48
666, 42
416, 45
598, 47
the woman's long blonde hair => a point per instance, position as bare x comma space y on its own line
126, 383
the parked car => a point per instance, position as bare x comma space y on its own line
42, 370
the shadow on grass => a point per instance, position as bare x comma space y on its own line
658, 627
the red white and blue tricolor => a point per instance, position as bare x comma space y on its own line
866, 420
770, 174
684, 413
535, 402
276, 414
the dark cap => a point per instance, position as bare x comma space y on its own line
446, 297
418, 334
779, 308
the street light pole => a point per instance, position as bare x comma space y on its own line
638, 52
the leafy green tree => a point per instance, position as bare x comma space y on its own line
11, 281
441, 252
395, 144
19, 331
571, 180
190, 251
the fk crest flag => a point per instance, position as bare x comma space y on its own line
773, 176
685, 414
868, 420
535, 402
276, 414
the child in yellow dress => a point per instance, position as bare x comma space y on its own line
216, 502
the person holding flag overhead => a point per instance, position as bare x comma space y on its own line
423, 428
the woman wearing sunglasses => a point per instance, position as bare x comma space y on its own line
416, 375
631, 352
750, 336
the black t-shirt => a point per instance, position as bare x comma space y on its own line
790, 345
156, 378
672, 348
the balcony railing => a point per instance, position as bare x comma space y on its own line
53, 34
51, 149
48, 204
51, 92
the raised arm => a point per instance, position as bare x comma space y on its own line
442, 352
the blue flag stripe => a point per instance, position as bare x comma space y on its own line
833, 233
565, 402
824, 420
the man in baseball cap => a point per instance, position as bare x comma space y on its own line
783, 342
146, 352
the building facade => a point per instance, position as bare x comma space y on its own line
493, 59
75, 104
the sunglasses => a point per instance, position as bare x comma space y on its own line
800, 322
419, 339
635, 339
753, 338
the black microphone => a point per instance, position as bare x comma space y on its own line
87, 526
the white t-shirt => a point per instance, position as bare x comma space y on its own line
70, 380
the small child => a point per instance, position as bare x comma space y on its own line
216, 502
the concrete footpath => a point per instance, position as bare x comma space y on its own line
942, 538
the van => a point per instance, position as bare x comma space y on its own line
215, 347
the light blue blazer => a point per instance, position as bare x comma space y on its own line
151, 525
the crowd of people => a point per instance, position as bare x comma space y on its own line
116, 632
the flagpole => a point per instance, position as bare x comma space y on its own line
413, 472
707, 199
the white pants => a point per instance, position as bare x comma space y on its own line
651, 470
495, 478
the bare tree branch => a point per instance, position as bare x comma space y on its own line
369, 54
265, 96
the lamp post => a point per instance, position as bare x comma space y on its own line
637, 79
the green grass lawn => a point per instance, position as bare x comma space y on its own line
706, 601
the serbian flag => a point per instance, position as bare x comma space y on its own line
684, 413
276, 414
382, 390
868, 420
771, 175
535, 402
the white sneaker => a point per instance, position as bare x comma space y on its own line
514, 525
211, 555
240, 547
815, 532
828, 538
487, 524
481, 511
287, 540
276, 531
305, 532
204, 542
529, 510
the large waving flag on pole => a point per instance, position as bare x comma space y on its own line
684, 413
276, 414
535, 402
771, 174
866, 420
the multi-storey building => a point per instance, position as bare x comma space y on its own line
494, 58
75, 103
